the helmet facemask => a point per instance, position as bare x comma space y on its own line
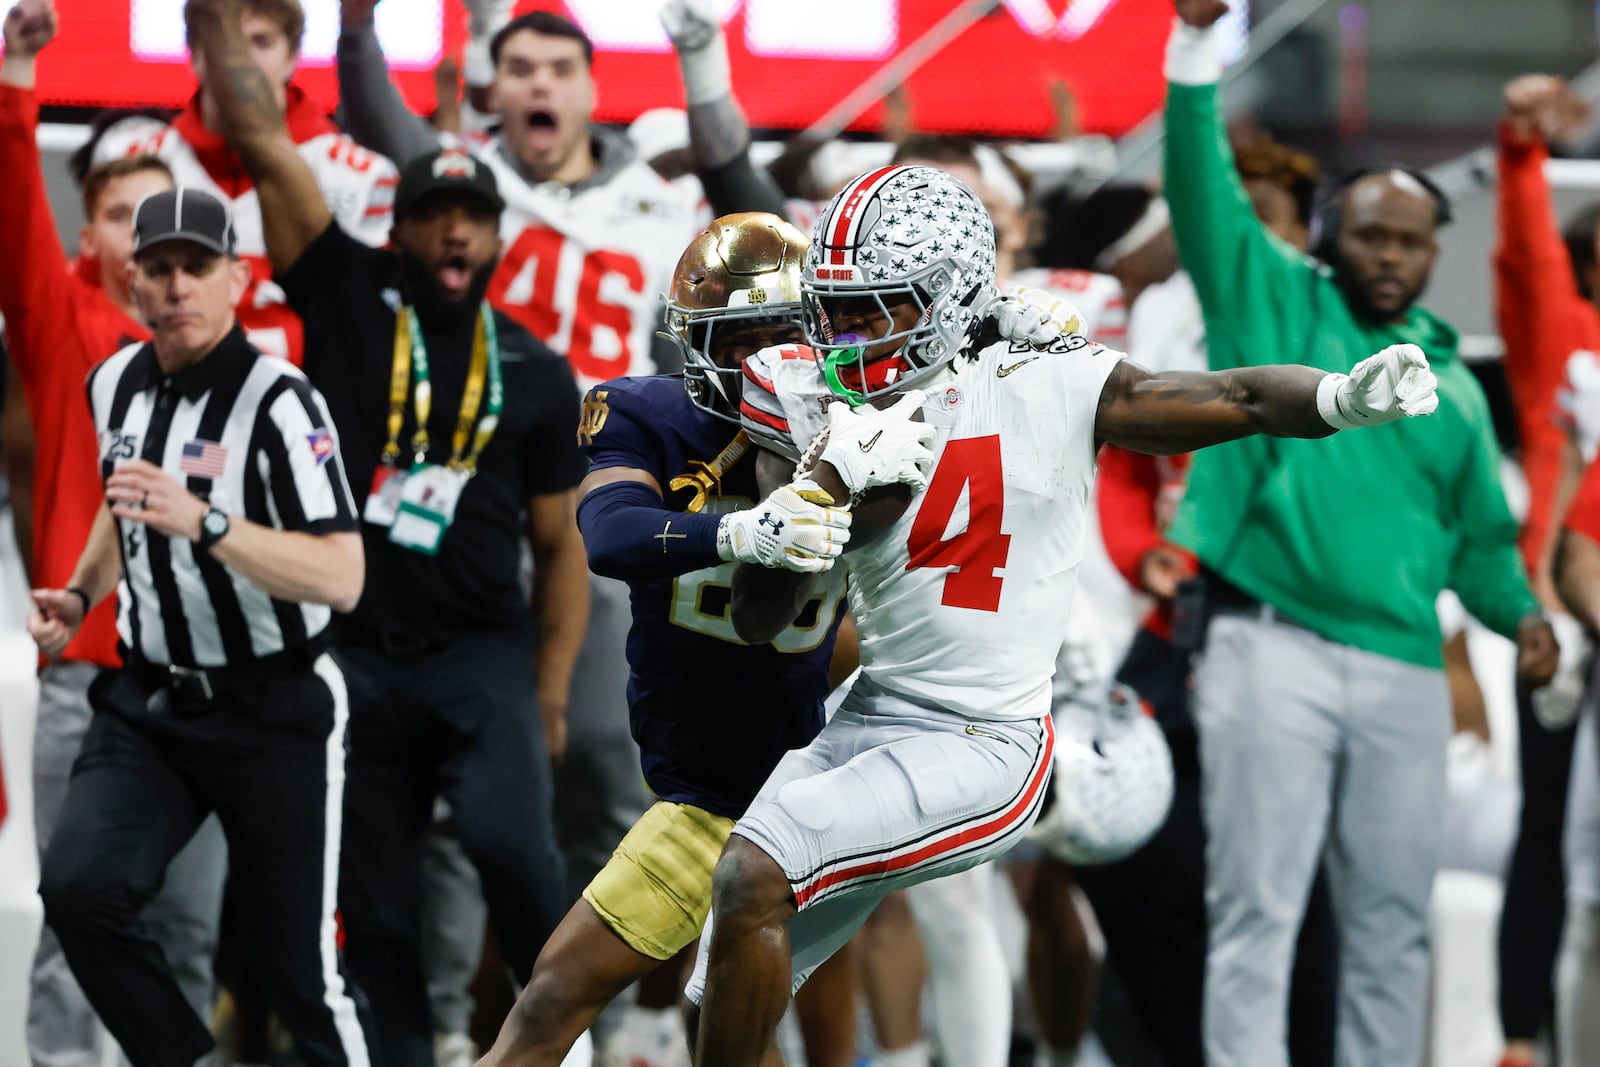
701, 335
736, 286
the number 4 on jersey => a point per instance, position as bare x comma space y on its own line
972, 463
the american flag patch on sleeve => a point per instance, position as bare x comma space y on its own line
203, 459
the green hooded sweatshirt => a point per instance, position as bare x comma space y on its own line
1355, 535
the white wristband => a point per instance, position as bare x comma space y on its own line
724, 538
1192, 55
1328, 392
707, 76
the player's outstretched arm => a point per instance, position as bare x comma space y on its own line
293, 211
1179, 411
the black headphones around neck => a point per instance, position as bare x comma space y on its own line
1329, 216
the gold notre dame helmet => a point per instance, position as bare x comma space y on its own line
742, 267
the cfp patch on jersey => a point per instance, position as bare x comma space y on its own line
321, 443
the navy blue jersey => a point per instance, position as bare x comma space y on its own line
712, 715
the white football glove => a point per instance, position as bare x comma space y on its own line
1579, 401
1395, 383
870, 447
792, 529
1033, 316
1555, 706
695, 27
484, 20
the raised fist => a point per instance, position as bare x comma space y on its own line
691, 24
29, 27
1540, 105
1201, 13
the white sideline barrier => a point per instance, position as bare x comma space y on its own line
1464, 1023
20, 910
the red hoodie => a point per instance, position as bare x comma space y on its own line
358, 186
59, 324
1543, 320
1130, 490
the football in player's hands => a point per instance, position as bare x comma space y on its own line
877, 509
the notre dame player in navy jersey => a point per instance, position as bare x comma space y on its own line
697, 746
670, 505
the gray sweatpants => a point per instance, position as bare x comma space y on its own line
1315, 751
183, 918
1578, 965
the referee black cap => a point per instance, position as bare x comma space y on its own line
183, 214
447, 170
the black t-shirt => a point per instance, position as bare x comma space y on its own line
347, 295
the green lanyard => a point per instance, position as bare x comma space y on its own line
411, 361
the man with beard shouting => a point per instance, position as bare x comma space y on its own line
455, 421
1319, 698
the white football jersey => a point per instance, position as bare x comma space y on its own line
963, 604
584, 271
1098, 297
358, 186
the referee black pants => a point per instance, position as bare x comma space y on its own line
269, 760
461, 721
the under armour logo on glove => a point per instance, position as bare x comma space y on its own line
796, 528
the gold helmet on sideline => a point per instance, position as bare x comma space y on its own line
735, 291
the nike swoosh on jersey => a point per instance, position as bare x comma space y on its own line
866, 446
1001, 372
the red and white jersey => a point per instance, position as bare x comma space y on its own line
963, 604
1097, 296
584, 271
358, 186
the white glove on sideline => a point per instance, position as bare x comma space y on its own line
695, 28
871, 447
1395, 383
484, 20
1556, 705
1033, 316
791, 529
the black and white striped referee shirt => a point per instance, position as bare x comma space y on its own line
248, 433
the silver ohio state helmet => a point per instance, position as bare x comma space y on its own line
894, 235
1112, 784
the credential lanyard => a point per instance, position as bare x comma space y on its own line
411, 362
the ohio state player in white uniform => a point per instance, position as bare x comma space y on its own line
938, 758
358, 185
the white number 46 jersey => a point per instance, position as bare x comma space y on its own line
963, 604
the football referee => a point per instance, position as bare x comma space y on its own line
229, 534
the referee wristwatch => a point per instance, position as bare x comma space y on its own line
213, 527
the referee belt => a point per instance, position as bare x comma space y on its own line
197, 687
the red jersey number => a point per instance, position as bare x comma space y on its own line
971, 463
531, 266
